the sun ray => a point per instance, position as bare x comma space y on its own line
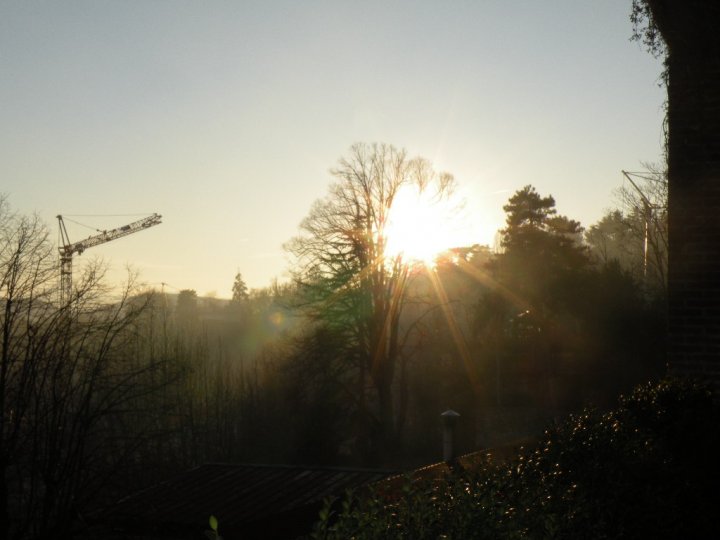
485, 279
458, 337
396, 295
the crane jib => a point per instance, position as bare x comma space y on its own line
68, 249
107, 236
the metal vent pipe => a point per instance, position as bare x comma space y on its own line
449, 419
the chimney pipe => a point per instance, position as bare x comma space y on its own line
449, 419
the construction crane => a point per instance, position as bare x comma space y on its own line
648, 209
68, 249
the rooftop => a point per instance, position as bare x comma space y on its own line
245, 498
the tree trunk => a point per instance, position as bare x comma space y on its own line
387, 416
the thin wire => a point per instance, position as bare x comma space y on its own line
81, 224
108, 215
644, 175
65, 216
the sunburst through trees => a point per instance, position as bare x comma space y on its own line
353, 265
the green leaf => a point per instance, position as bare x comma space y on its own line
214, 523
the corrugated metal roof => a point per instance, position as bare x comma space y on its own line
238, 495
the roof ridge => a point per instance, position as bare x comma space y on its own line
338, 468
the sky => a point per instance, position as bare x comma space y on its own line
227, 116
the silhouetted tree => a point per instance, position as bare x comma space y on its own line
528, 326
526, 211
65, 380
351, 285
539, 246
239, 289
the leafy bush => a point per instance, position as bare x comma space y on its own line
647, 469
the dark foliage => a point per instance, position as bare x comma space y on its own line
645, 28
647, 469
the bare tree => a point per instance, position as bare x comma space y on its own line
352, 284
65, 374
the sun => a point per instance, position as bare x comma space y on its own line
423, 224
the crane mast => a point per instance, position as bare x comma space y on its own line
67, 249
648, 208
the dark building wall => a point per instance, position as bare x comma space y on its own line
691, 29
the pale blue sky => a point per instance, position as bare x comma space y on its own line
225, 117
